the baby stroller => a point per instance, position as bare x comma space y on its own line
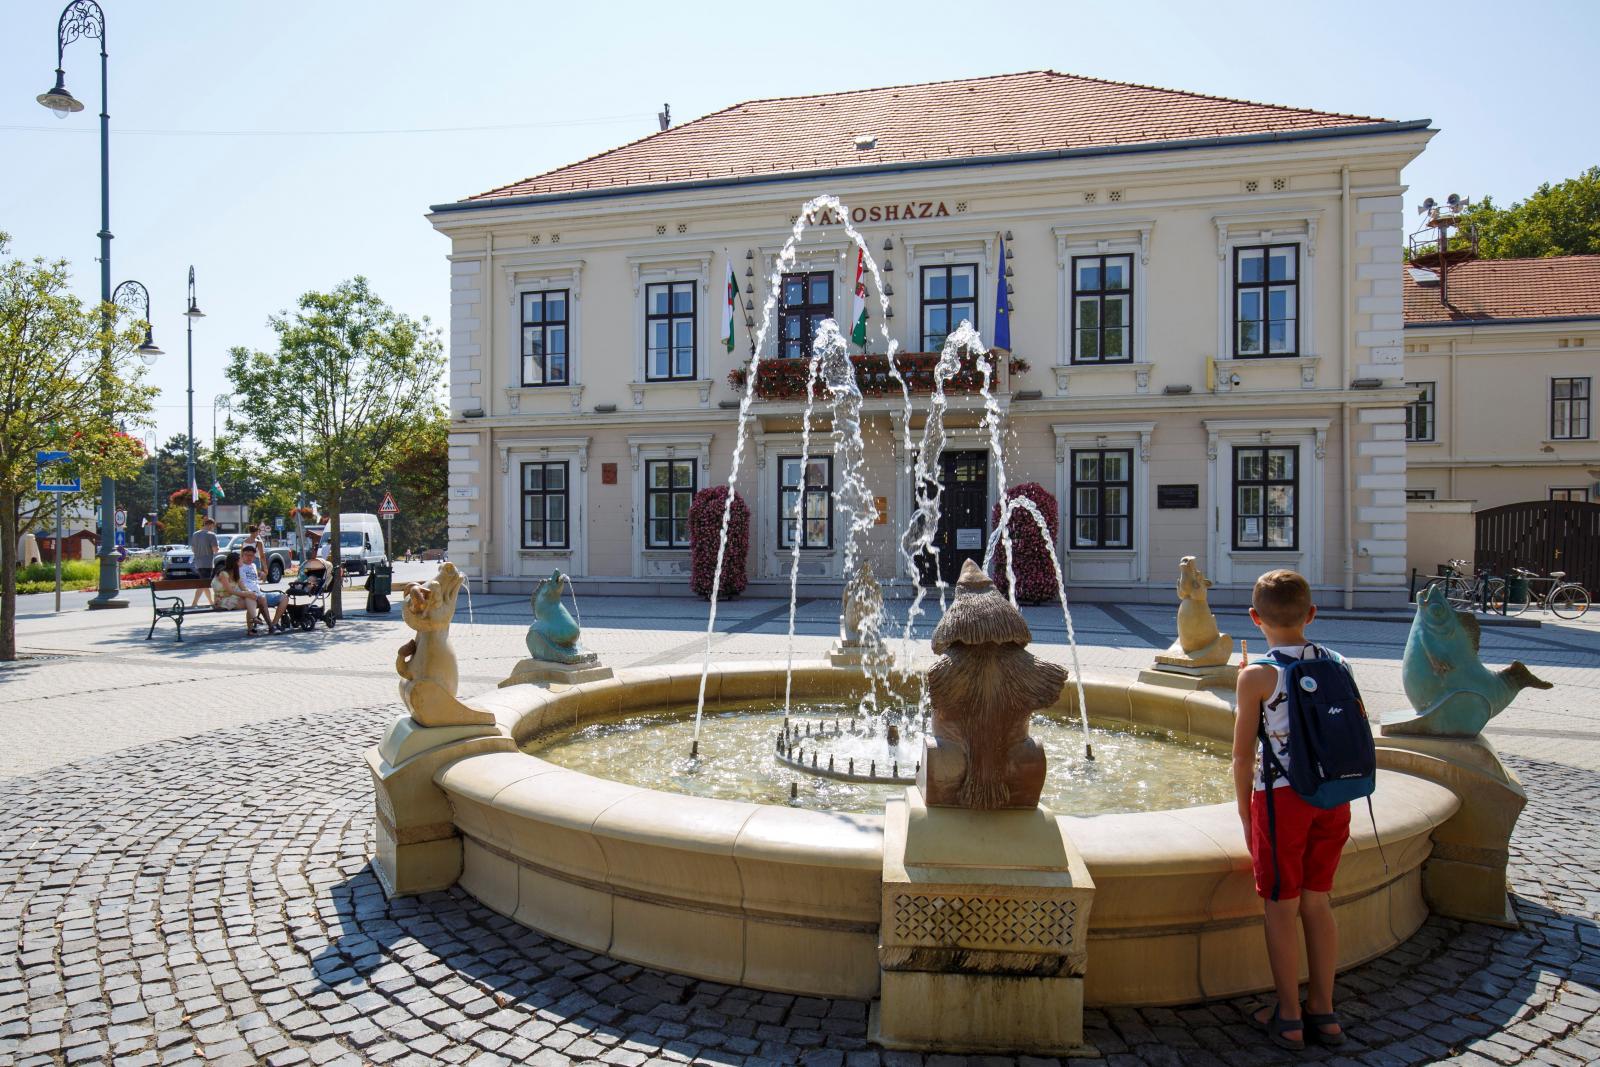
308, 596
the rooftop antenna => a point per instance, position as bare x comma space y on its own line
1440, 218
664, 116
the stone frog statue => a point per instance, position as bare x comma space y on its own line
984, 688
1452, 692
553, 637
427, 664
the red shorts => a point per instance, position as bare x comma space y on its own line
1310, 840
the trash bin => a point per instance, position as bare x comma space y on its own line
1516, 591
380, 579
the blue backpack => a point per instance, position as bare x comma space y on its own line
1332, 759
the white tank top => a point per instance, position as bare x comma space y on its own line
1276, 708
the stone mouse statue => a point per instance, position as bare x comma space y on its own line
553, 637
1452, 693
1199, 643
427, 664
984, 688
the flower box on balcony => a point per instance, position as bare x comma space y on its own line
785, 379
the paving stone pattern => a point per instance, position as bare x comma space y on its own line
210, 900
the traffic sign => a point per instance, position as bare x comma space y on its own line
388, 509
122, 518
51, 476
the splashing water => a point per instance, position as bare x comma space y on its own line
577, 616
812, 374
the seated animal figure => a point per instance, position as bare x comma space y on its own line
1199, 643
553, 637
1452, 693
427, 664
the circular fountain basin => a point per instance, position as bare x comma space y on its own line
788, 897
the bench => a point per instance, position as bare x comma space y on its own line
173, 607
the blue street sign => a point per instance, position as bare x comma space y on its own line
49, 478
122, 538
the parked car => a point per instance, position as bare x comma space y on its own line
360, 541
179, 563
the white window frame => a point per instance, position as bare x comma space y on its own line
1230, 566
664, 268
1289, 226
530, 563
1113, 237
1104, 566
527, 275
771, 560
651, 562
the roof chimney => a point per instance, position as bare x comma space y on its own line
664, 116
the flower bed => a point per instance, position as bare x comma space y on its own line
1036, 577
785, 379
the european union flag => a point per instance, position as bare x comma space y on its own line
1002, 305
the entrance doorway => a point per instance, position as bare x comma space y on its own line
963, 513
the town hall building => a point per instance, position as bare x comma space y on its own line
1205, 309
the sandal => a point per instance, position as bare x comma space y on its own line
1315, 1031
1277, 1027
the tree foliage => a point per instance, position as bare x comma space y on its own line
58, 391
1557, 220
353, 382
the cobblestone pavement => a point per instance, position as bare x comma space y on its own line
210, 900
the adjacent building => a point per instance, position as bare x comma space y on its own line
1204, 300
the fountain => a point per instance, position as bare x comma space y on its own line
807, 826
554, 652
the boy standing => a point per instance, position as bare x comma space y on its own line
1295, 858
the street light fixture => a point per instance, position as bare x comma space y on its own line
84, 18
131, 289
192, 313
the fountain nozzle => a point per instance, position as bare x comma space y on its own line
1088, 752
694, 749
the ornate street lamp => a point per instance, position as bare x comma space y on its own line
84, 18
193, 312
131, 290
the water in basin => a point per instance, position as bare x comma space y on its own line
1137, 769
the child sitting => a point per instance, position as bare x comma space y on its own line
1296, 851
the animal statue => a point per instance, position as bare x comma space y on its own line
1452, 693
553, 637
1199, 643
862, 605
427, 664
984, 688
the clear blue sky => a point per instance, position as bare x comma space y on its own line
265, 217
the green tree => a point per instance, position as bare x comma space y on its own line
55, 390
1557, 220
417, 476
353, 379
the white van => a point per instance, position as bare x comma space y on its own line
360, 541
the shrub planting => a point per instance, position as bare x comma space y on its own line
1036, 578
705, 533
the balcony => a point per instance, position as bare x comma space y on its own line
785, 379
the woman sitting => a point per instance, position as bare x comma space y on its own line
230, 595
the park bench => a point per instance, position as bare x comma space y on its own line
173, 607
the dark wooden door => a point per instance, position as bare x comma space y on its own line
1542, 535
964, 511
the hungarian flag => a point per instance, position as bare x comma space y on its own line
858, 333
216, 489
727, 307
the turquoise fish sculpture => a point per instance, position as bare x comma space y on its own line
1452, 693
553, 637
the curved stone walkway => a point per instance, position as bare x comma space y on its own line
209, 900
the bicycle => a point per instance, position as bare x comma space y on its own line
1481, 592
1569, 600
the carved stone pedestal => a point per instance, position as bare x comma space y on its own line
1192, 679
983, 935
418, 849
533, 671
1465, 877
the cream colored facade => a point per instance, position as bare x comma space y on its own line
1179, 214
1492, 441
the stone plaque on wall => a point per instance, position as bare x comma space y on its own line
1177, 496
608, 474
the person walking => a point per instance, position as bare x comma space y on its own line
203, 544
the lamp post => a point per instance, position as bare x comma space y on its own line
153, 444
191, 314
84, 18
133, 293
220, 402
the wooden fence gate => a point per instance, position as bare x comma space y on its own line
1544, 536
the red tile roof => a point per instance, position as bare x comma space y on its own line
1037, 111
1489, 290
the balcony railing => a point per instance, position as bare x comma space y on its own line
785, 379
